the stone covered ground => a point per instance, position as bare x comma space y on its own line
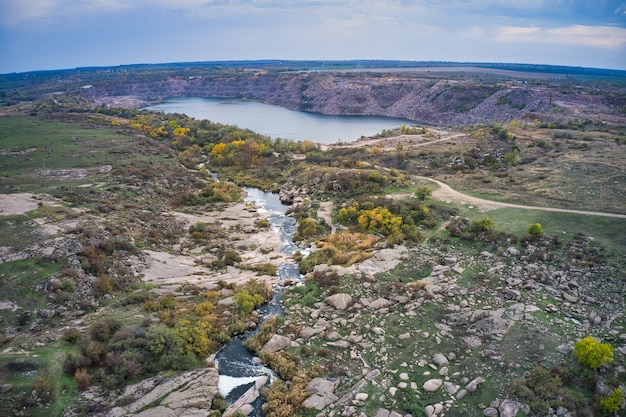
450, 327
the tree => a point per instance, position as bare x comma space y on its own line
592, 353
423, 192
535, 230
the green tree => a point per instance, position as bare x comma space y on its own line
592, 353
535, 230
423, 192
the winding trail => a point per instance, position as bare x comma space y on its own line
447, 193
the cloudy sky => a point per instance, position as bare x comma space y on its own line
55, 34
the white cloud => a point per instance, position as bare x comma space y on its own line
516, 33
599, 36
16, 12
473, 32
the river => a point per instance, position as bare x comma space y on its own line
279, 122
237, 369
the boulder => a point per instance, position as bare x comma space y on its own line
510, 294
277, 343
361, 396
509, 408
440, 359
322, 393
316, 401
432, 385
227, 302
320, 386
450, 387
472, 342
380, 303
513, 251
490, 412
339, 301
381, 412
491, 326
471, 387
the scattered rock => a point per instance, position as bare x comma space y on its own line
322, 390
440, 359
277, 343
490, 412
471, 387
380, 303
509, 408
432, 385
339, 301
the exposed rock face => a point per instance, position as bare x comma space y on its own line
322, 393
189, 392
243, 404
405, 95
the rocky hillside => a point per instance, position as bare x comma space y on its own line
432, 99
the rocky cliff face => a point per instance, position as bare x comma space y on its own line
430, 100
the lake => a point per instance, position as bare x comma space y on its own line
279, 122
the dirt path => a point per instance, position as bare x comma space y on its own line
407, 141
446, 193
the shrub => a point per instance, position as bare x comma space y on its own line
247, 302
262, 223
423, 192
535, 230
82, 378
103, 329
593, 354
73, 361
306, 228
613, 401
43, 386
72, 335
219, 403
484, 225
513, 158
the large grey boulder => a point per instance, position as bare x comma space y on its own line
322, 393
339, 301
440, 359
432, 385
474, 383
277, 343
380, 303
509, 408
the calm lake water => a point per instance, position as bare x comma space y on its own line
279, 122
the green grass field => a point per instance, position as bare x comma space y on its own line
30, 145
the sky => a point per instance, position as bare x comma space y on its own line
60, 34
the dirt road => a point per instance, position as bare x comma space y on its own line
446, 193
